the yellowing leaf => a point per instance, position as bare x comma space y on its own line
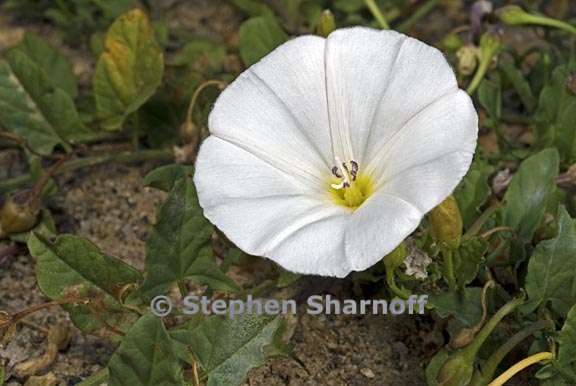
129, 70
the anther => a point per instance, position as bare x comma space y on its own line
354, 171
336, 172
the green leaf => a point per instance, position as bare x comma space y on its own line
463, 305
258, 37
196, 50
146, 356
550, 277
73, 265
287, 278
468, 258
473, 191
31, 107
490, 96
179, 246
528, 192
253, 7
164, 177
232, 257
113, 9
52, 62
228, 348
556, 114
520, 84
71, 260
1, 375
567, 341
564, 365
129, 70
349, 6
434, 366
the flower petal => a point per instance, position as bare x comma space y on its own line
277, 110
448, 125
378, 80
427, 185
359, 66
268, 212
377, 227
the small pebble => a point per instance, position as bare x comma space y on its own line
368, 373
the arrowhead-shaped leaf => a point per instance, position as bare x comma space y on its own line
179, 246
556, 114
31, 107
147, 356
71, 259
52, 62
129, 70
464, 305
529, 190
228, 348
164, 177
550, 276
72, 264
473, 191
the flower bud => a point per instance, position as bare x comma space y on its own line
452, 42
490, 43
446, 223
189, 132
17, 215
512, 15
456, 371
326, 24
467, 59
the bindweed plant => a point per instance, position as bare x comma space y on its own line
326, 141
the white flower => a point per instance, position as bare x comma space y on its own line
327, 153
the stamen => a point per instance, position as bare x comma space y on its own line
346, 173
354, 171
336, 172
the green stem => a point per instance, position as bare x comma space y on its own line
491, 365
481, 220
490, 44
182, 287
371, 4
124, 157
391, 281
472, 349
96, 379
549, 22
479, 75
421, 12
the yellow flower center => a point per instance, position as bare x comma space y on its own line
353, 193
